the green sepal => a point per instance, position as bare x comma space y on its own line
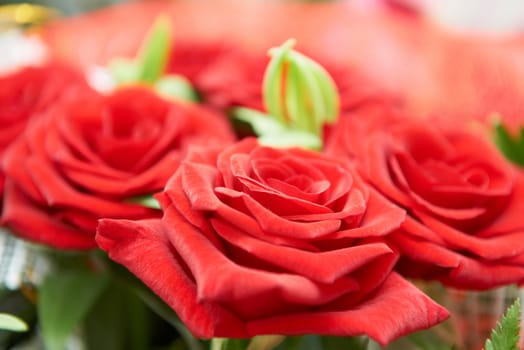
314, 100
272, 83
153, 54
511, 146
506, 335
12, 323
329, 91
298, 92
292, 138
64, 300
150, 63
146, 200
124, 71
261, 123
272, 133
176, 86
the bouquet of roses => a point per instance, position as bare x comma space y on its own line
207, 197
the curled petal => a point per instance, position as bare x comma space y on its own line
398, 308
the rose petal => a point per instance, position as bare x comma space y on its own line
95, 180
142, 246
251, 227
398, 308
483, 274
30, 222
280, 203
197, 182
381, 218
14, 166
422, 142
224, 159
322, 267
58, 193
221, 280
424, 251
404, 167
354, 205
73, 133
510, 218
494, 247
172, 196
278, 225
377, 170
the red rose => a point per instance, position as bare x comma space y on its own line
234, 79
85, 158
256, 240
464, 200
189, 58
28, 93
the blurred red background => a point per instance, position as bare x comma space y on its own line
433, 70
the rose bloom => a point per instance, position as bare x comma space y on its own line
189, 58
463, 198
85, 159
28, 92
256, 240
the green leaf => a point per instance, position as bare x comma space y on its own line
153, 55
118, 321
156, 304
64, 300
176, 86
506, 335
12, 323
164, 311
15, 303
146, 201
511, 146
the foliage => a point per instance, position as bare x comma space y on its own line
506, 335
